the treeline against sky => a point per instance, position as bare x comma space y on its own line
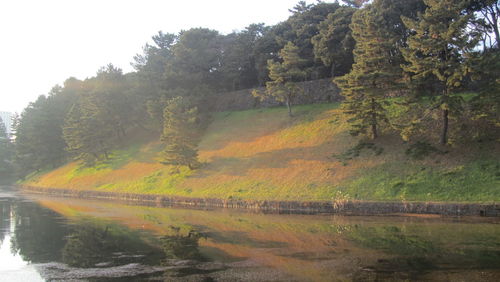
424, 69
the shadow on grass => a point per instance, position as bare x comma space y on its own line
248, 126
272, 159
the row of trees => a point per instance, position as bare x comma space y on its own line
411, 54
432, 52
427, 53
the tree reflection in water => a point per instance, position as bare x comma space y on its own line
4, 219
182, 251
184, 247
88, 246
39, 232
91, 244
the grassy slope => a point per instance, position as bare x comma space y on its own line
263, 154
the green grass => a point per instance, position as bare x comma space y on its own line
478, 180
263, 154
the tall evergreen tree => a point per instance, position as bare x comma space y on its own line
87, 133
284, 76
149, 82
39, 141
334, 43
438, 49
238, 60
304, 23
180, 133
372, 75
196, 60
486, 105
379, 34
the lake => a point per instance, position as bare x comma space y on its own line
46, 238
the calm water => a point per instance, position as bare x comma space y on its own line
61, 239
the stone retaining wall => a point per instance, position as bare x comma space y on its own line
314, 91
292, 207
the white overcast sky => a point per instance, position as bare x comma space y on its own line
45, 42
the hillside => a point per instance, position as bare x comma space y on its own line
263, 154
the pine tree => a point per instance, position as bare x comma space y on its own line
284, 77
87, 133
373, 73
334, 44
379, 34
180, 133
438, 49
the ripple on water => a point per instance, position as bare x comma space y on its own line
54, 271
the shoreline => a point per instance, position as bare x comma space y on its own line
349, 207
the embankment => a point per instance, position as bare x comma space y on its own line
290, 207
264, 156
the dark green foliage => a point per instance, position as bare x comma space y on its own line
195, 61
180, 133
485, 107
357, 150
149, 83
86, 132
299, 28
91, 243
372, 74
379, 33
39, 236
100, 117
267, 48
304, 23
334, 43
87, 246
438, 49
284, 76
180, 246
238, 68
39, 141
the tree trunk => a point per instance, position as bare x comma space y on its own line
374, 121
289, 106
374, 131
332, 70
444, 133
497, 34
494, 17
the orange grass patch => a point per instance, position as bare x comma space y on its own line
259, 154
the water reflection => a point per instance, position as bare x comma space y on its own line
98, 240
40, 244
179, 246
38, 233
91, 244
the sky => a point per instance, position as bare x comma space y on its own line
45, 42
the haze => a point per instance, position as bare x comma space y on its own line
45, 42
